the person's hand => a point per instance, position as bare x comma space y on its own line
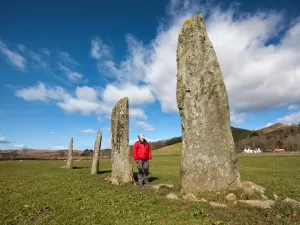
136, 161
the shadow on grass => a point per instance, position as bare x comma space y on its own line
80, 167
104, 171
151, 179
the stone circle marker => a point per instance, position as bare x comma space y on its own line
209, 160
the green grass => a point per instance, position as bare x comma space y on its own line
40, 192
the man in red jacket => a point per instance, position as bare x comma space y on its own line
142, 155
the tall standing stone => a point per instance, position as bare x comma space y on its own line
209, 160
97, 147
120, 153
70, 155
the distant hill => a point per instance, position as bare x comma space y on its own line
275, 136
237, 133
272, 137
48, 154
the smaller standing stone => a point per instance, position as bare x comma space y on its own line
120, 150
276, 197
70, 155
97, 146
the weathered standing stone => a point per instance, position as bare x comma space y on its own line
120, 153
209, 160
97, 147
70, 155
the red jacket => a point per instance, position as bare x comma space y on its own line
141, 151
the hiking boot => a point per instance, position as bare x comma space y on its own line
146, 181
140, 184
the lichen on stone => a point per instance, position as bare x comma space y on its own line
187, 22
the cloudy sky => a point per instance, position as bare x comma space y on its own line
64, 64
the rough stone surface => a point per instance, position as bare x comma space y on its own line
231, 197
97, 147
250, 188
264, 204
114, 181
275, 197
217, 205
70, 155
120, 153
292, 201
159, 186
209, 160
172, 196
203, 200
263, 196
190, 197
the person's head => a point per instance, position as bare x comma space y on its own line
141, 137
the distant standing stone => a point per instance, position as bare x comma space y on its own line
97, 147
70, 155
120, 153
209, 160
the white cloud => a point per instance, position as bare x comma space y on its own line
99, 119
294, 107
66, 58
14, 58
84, 101
3, 140
237, 118
18, 146
269, 124
137, 113
88, 131
21, 48
74, 76
144, 126
99, 49
71, 75
40, 92
293, 118
259, 72
138, 95
38, 62
46, 51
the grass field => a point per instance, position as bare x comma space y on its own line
40, 192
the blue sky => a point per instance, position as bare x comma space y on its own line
64, 65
